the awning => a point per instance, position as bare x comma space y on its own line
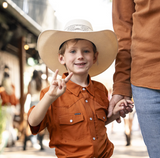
22, 17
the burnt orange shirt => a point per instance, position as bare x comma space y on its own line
137, 26
76, 122
8, 99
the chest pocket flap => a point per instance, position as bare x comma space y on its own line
101, 115
71, 119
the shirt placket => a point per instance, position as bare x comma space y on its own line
90, 116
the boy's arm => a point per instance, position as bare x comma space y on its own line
121, 105
57, 88
39, 111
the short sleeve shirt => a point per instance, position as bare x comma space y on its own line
76, 122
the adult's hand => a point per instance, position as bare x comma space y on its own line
128, 108
114, 100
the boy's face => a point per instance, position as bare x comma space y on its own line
78, 57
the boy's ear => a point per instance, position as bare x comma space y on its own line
61, 59
95, 57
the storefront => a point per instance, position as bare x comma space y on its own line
18, 37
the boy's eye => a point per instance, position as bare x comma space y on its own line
72, 51
86, 51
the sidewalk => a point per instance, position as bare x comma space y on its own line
136, 150
30, 152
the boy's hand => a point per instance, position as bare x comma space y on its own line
122, 105
58, 86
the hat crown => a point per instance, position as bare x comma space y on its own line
78, 25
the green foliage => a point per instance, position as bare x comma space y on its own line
2, 119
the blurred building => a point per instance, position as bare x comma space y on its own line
21, 21
40, 11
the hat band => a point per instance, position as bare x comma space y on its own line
78, 28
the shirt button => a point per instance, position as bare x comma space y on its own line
83, 89
86, 101
90, 118
94, 138
71, 120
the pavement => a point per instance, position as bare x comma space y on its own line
137, 149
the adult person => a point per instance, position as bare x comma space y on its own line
9, 102
136, 24
34, 88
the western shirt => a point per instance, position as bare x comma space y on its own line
137, 26
76, 122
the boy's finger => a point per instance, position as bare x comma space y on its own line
68, 77
129, 101
55, 75
123, 102
60, 84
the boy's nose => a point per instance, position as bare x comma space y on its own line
80, 55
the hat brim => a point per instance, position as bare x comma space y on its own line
106, 42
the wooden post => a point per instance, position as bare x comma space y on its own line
22, 63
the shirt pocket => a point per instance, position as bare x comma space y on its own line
72, 126
101, 118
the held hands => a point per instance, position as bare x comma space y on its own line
58, 86
122, 105
114, 100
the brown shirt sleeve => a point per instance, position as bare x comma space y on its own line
43, 124
122, 23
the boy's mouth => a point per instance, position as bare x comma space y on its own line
80, 63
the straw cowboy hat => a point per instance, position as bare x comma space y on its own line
49, 42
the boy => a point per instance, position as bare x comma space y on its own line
74, 108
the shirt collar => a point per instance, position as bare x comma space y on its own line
76, 89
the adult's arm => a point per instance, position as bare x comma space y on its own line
122, 11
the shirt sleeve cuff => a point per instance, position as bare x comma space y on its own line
122, 89
34, 129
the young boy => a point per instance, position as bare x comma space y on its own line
74, 108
